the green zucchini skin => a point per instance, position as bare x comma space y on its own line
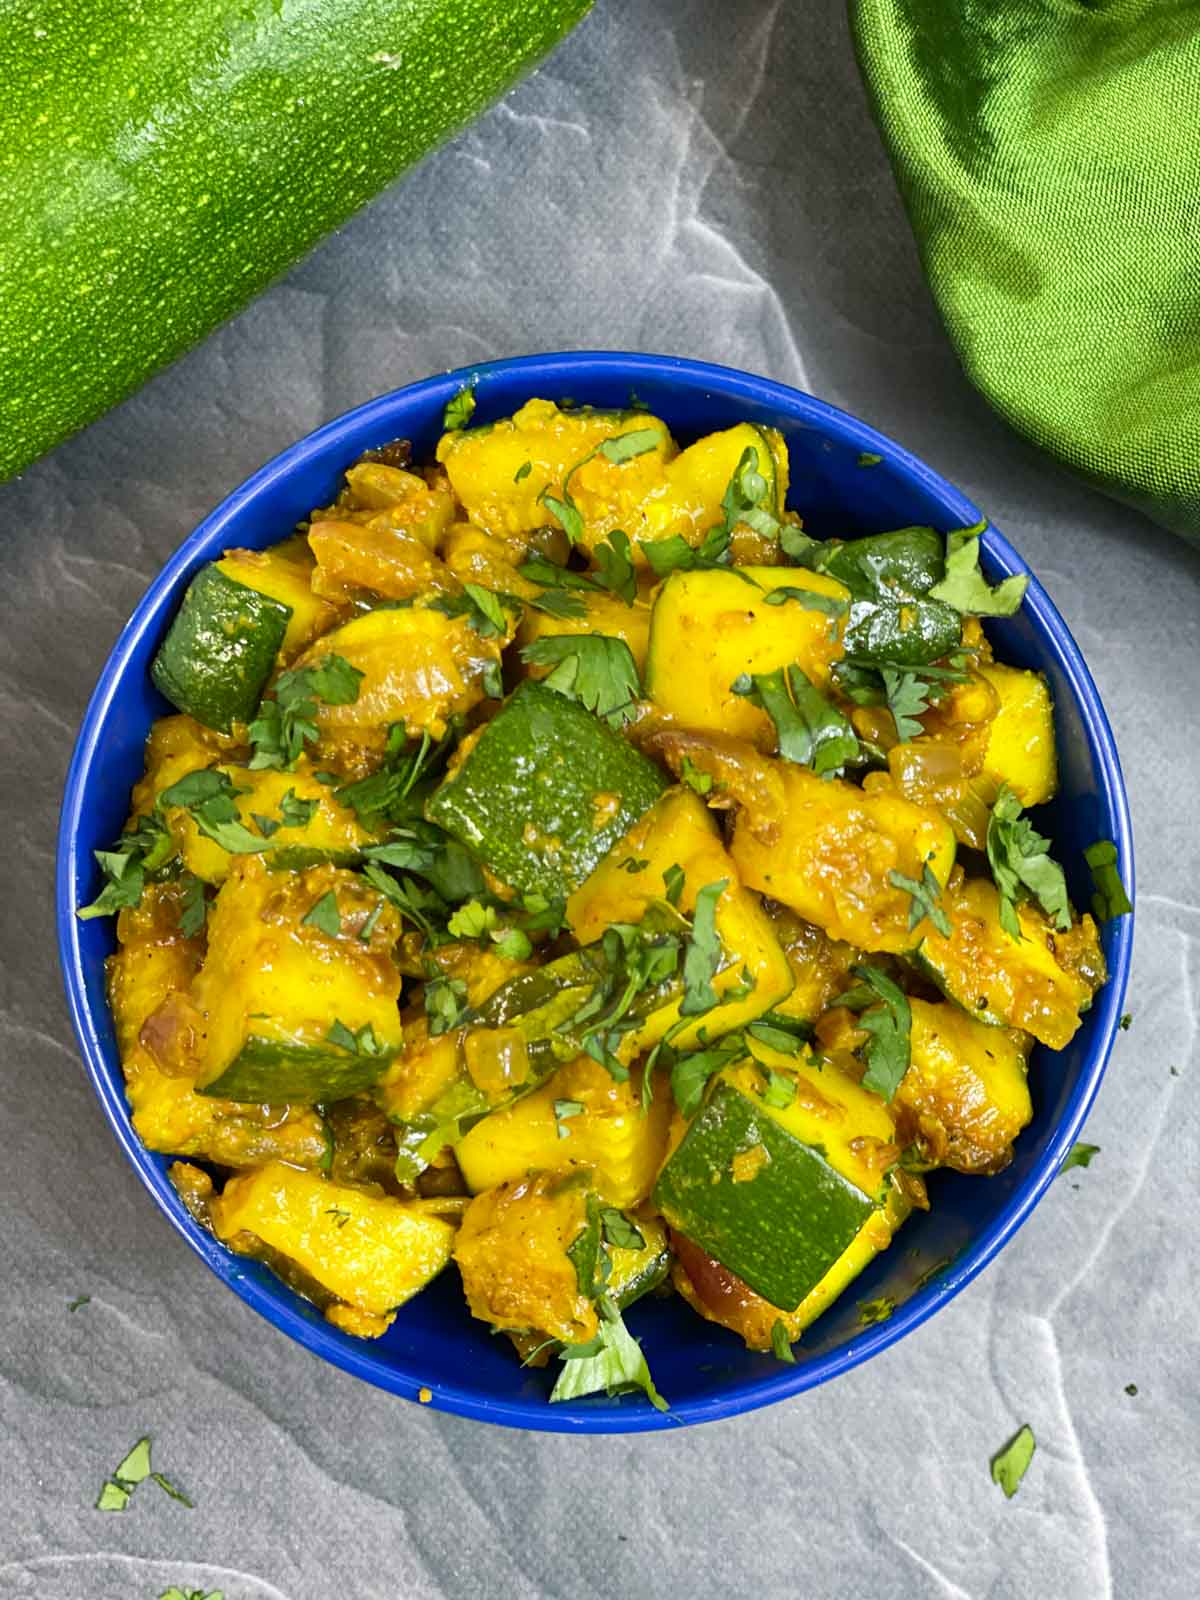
267, 1072
889, 575
167, 159
781, 1230
219, 651
536, 778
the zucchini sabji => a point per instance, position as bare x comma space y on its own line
545, 793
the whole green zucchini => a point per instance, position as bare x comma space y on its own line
163, 160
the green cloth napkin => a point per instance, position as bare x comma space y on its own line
1048, 152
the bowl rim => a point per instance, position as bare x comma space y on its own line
562, 368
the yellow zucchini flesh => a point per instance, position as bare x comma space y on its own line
581, 1118
602, 613
1010, 982
420, 667
1020, 749
502, 473
370, 1251
277, 983
331, 833
679, 831
826, 848
965, 1096
711, 627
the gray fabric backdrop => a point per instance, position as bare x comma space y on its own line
700, 178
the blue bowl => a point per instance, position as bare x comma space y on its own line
846, 479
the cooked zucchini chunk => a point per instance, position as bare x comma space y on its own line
581, 1118
826, 849
1020, 748
152, 970
777, 1196
286, 573
697, 480
504, 472
602, 613
678, 832
965, 1095
297, 817
711, 627
1009, 982
420, 667
220, 650
893, 621
297, 1005
512, 1253
544, 793
369, 1251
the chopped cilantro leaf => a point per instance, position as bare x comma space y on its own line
781, 1345
513, 943
1079, 1155
284, 723
639, 442
703, 954
810, 731
788, 1035
324, 915
691, 774
594, 669
459, 409
209, 797
868, 458
673, 881
1010, 1464
522, 471
1022, 866
613, 1362
691, 1072
294, 812
567, 514
890, 1026
559, 603
780, 1090
363, 1043
832, 606
1126, 1021
265, 825
482, 609
586, 1254
139, 852
1110, 899
614, 558
924, 898
79, 1301
445, 1004
564, 1110
619, 1232
472, 921
193, 909
966, 589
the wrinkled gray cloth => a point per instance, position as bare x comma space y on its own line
703, 179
